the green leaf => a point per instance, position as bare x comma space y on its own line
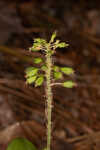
53, 37
37, 60
20, 144
68, 84
31, 71
67, 70
39, 81
61, 45
57, 75
30, 80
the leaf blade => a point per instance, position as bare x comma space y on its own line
20, 144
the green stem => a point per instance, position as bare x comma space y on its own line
49, 97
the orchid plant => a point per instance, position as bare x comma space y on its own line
48, 73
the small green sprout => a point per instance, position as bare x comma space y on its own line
48, 73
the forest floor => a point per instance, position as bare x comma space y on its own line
76, 118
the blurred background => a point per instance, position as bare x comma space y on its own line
76, 112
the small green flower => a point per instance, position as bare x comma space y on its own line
53, 37
40, 41
44, 68
67, 70
68, 84
38, 60
39, 81
61, 45
57, 75
56, 68
31, 80
31, 71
